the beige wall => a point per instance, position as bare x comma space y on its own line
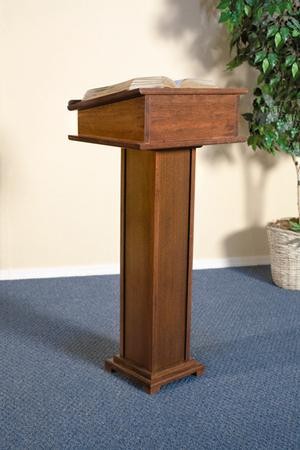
59, 200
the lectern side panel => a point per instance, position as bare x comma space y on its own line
174, 170
192, 117
120, 120
138, 237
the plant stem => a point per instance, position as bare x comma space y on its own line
297, 165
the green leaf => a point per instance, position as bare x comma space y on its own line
285, 33
278, 39
271, 8
252, 140
235, 37
282, 5
239, 6
295, 33
265, 65
223, 4
273, 59
268, 100
290, 60
260, 78
283, 143
268, 138
235, 62
225, 16
294, 226
248, 116
295, 22
258, 13
295, 69
257, 91
247, 10
260, 56
272, 31
275, 80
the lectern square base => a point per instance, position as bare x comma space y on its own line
153, 382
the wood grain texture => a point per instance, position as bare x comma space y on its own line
152, 383
190, 255
173, 179
191, 117
157, 214
157, 146
105, 100
125, 95
124, 119
139, 200
156, 119
156, 265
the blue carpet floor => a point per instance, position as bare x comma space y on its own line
54, 393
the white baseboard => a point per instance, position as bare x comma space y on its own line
236, 261
57, 272
112, 269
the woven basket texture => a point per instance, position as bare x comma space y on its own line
285, 256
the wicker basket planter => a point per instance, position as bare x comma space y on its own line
285, 254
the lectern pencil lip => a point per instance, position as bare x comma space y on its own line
123, 95
158, 130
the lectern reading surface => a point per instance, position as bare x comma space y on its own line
158, 130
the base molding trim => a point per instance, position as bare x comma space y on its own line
153, 382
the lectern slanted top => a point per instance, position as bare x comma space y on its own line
158, 130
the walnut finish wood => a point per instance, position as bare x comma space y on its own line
152, 383
174, 176
188, 117
117, 120
157, 210
190, 253
156, 264
125, 95
160, 118
137, 242
158, 145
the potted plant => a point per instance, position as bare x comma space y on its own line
266, 35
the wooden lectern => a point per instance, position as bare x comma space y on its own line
158, 130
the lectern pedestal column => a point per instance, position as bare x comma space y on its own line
157, 203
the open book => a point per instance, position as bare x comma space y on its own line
147, 82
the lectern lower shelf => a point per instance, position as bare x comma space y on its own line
157, 215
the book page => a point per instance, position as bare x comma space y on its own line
143, 82
195, 83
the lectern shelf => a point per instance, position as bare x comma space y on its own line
157, 210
